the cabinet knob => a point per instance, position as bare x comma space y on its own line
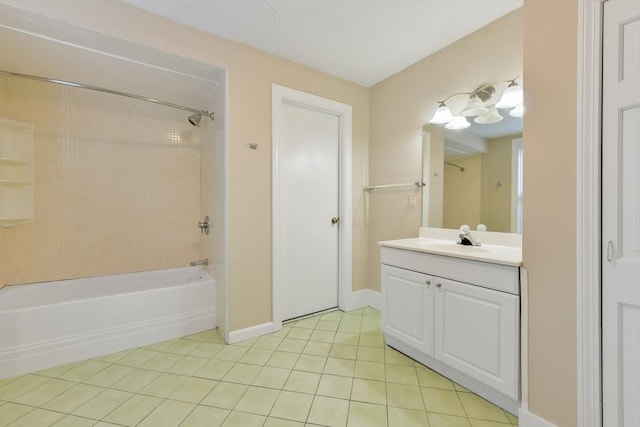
438, 285
428, 282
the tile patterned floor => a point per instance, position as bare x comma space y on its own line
328, 370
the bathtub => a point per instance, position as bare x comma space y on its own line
48, 324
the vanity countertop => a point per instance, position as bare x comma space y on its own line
491, 253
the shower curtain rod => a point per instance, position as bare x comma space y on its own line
113, 92
455, 166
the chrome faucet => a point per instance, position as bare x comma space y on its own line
465, 237
201, 262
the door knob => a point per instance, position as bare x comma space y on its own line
335, 220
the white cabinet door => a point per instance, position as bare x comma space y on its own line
408, 307
477, 333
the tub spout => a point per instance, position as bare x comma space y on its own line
201, 262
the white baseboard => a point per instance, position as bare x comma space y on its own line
527, 419
365, 298
251, 332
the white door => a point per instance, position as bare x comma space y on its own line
308, 187
621, 214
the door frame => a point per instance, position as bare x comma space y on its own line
588, 221
282, 95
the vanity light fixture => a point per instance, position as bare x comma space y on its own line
481, 105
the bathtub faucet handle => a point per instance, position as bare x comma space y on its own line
201, 262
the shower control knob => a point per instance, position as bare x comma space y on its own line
204, 225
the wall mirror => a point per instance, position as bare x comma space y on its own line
473, 176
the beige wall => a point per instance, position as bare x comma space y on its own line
401, 104
549, 249
3, 277
114, 193
250, 76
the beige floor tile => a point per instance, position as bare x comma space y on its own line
351, 328
279, 422
282, 333
138, 357
114, 357
311, 363
242, 419
442, 401
101, 405
309, 323
458, 387
346, 338
136, 380
162, 361
106, 424
11, 412
366, 415
73, 421
372, 341
292, 345
231, 353
205, 416
168, 414
477, 407
211, 336
272, 377
432, 379
242, 373
56, 370
369, 370
207, 349
443, 420
283, 359
300, 334
303, 382
258, 400
317, 348
256, 356
370, 329
322, 336
335, 386
328, 411
44, 392
401, 417
394, 357
182, 347
342, 367
194, 390
485, 423
292, 406
327, 325
109, 376
402, 374
512, 418
214, 369
343, 351
72, 398
225, 395
164, 386
369, 391
161, 346
370, 354
333, 316
268, 342
21, 385
38, 418
134, 410
404, 396
188, 365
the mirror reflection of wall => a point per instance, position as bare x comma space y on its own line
473, 176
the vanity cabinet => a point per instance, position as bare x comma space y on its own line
16, 173
457, 316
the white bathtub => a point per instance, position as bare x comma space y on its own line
48, 324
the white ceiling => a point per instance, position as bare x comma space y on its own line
364, 41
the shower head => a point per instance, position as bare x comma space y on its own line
194, 119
